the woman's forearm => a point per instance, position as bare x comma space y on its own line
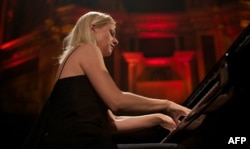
133, 123
120, 124
137, 104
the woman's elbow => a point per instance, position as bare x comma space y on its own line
117, 104
116, 108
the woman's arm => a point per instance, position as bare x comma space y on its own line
120, 124
92, 64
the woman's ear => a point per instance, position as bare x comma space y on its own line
92, 27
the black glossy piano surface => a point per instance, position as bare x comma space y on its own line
220, 106
220, 103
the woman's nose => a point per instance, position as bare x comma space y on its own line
116, 41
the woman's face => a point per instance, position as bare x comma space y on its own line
105, 38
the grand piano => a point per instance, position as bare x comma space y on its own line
219, 103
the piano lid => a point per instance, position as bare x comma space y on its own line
220, 102
237, 46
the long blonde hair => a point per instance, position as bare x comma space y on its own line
81, 32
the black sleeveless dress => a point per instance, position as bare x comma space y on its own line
74, 117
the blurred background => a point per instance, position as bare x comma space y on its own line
165, 49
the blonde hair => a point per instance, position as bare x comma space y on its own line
81, 32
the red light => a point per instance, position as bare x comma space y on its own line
155, 35
158, 61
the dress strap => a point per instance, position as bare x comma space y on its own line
61, 66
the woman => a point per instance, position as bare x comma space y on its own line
79, 111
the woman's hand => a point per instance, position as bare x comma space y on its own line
166, 122
176, 111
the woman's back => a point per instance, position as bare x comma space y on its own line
74, 115
77, 115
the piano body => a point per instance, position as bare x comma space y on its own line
219, 103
